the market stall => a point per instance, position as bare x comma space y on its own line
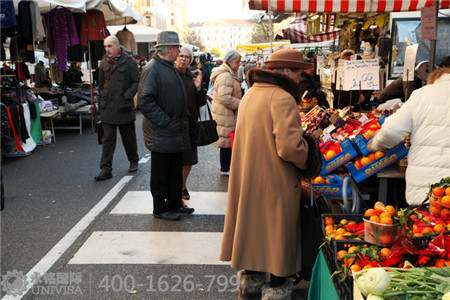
383, 236
35, 24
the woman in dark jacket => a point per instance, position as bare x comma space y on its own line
196, 97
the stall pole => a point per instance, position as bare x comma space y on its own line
270, 29
433, 42
91, 85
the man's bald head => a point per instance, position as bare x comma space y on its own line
111, 44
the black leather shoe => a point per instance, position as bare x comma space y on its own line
133, 167
103, 175
184, 210
168, 216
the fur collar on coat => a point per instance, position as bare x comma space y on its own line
276, 78
314, 161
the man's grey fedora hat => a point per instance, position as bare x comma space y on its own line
167, 38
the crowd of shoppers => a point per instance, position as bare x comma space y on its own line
270, 150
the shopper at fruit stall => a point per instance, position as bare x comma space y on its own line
196, 97
262, 221
425, 117
226, 99
314, 87
403, 89
341, 98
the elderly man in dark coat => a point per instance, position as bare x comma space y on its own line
162, 100
117, 84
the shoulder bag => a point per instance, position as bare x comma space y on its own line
207, 131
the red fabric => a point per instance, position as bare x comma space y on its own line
16, 135
232, 138
344, 6
93, 27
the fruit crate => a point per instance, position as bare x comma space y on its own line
337, 245
342, 283
334, 188
360, 142
423, 241
348, 152
377, 165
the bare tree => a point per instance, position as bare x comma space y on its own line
261, 32
193, 39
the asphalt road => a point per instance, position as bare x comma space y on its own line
53, 190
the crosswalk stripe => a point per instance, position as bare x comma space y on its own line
141, 202
140, 247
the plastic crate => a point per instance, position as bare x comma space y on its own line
348, 153
338, 217
374, 167
343, 286
373, 233
334, 188
337, 245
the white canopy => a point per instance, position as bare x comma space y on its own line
142, 34
112, 9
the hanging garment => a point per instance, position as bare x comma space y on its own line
36, 18
93, 26
25, 30
76, 52
126, 39
61, 33
7, 14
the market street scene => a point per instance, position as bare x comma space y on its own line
247, 149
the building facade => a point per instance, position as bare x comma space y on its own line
223, 34
154, 13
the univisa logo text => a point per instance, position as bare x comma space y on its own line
338, 161
381, 164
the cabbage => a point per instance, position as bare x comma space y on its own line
375, 281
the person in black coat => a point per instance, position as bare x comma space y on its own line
308, 82
117, 85
165, 125
196, 97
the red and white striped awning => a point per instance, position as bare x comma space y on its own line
343, 6
297, 33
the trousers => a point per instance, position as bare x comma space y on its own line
109, 140
166, 181
225, 159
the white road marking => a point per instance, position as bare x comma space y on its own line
145, 159
58, 250
141, 202
141, 247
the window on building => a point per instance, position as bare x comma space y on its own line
147, 3
172, 22
148, 20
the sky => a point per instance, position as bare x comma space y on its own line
203, 10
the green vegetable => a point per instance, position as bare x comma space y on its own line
374, 297
374, 281
446, 296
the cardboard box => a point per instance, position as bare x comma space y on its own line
371, 169
348, 153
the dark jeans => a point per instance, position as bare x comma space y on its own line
128, 134
166, 181
225, 159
